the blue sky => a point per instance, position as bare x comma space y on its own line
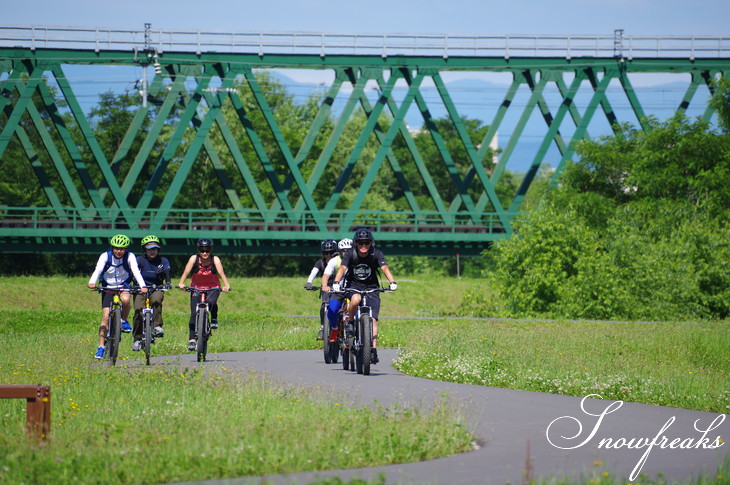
567, 17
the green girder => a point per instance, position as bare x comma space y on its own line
90, 195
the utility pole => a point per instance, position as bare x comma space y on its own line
147, 49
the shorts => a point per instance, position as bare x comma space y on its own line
106, 299
373, 301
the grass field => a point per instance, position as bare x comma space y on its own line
152, 425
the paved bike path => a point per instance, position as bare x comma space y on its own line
512, 427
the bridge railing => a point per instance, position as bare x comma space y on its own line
14, 220
380, 44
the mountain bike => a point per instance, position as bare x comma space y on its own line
330, 348
114, 332
360, 338
202, 321
148, 318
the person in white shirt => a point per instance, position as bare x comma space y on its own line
115, 268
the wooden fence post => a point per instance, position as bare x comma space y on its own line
37, 408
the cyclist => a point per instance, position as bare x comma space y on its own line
115, 269
206, 270
155, 270
335, 301
362, 263
329, 249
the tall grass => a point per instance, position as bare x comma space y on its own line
680, 365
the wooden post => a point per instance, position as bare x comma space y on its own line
37, 409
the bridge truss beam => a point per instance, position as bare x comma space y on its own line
211, 108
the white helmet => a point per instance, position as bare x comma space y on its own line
344, 244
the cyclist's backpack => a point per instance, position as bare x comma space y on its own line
196, 265
125, 264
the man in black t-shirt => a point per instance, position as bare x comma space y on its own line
363, 261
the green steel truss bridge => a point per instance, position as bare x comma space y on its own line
280, 200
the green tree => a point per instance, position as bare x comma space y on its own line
636, 230
721, 102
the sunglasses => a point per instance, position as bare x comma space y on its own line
362, 243
204, 250
328, 253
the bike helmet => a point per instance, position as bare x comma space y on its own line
204, 242
120, 241
149, 242
328, 245
363, 234
344, 244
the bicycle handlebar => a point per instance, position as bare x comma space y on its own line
362, 292
135, 290
109, 289
191, 289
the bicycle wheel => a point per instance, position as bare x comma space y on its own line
325, 333
366, 324
201, 324
326, 345
147, 335
345, 354
335, 350
357, 346
115, 335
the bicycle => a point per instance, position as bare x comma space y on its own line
344, 343
148, 318
359, 340
330, 346
114, 332
202, 321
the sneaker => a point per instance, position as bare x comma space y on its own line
320, 335
99, 353
333, 334
191, 345
159, 332
126, 327
214, 324
374, 356
349, 329
136, 346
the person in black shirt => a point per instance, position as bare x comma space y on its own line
363, 261
156, 272
329, 250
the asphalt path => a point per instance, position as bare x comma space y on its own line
518, 433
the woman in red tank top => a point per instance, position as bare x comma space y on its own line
207, 272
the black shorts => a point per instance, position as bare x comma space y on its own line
372, 300
106, 299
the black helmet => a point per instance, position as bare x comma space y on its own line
204, 242
328, 245
363, 234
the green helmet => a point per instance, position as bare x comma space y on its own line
120, 241
151, 239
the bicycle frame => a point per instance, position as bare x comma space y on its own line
148, 318
114, 323
202, 321
361, 341
330, 345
